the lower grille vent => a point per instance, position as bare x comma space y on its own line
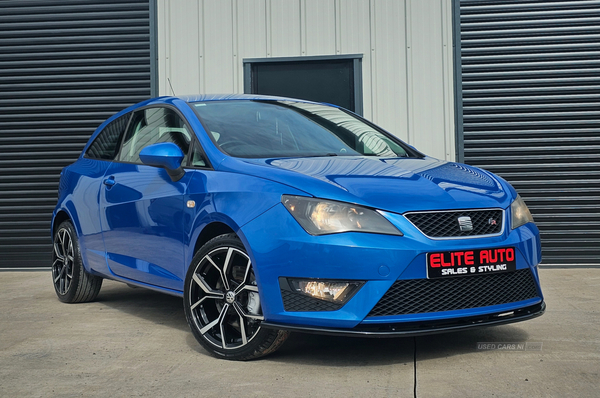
415, 296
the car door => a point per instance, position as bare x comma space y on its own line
87, 174
142, 208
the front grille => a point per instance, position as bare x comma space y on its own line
444, 224
300, 302
416, 296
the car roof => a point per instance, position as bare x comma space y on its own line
224, 97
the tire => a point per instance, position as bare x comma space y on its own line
72, 283
222, 304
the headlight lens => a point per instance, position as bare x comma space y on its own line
320, 217
520, 214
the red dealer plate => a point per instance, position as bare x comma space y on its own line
470, 262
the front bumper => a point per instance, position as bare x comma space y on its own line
421, 328
279, 247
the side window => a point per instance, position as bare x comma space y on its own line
105, 145
150, 126
196, 156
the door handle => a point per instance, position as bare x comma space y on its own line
109, 182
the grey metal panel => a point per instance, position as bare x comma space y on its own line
531, 100
153, 22
65, 66
407, 64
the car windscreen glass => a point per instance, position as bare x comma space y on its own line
266, 129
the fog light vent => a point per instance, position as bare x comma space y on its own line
316, 294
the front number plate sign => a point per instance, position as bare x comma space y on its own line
470, 262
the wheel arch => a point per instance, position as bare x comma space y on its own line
65, 212
58, 219
210, 231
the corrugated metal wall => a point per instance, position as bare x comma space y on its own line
65, 66
406, 46
531, 103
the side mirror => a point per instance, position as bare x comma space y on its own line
165, 155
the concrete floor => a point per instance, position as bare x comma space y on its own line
134, 342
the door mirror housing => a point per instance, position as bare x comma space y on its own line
165, 155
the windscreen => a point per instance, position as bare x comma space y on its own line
269, 129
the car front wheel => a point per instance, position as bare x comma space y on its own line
222, 303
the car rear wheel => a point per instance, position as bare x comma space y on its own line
222, 303
72, 283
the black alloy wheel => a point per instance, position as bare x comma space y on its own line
72, 283
222, 302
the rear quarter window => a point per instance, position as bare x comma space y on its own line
105, 145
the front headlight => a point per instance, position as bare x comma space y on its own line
520, 214
320, 217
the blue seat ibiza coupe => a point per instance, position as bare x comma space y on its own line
269, 215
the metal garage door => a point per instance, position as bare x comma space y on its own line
531, 112
65, 66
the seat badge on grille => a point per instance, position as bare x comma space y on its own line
465, 223
491, 221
